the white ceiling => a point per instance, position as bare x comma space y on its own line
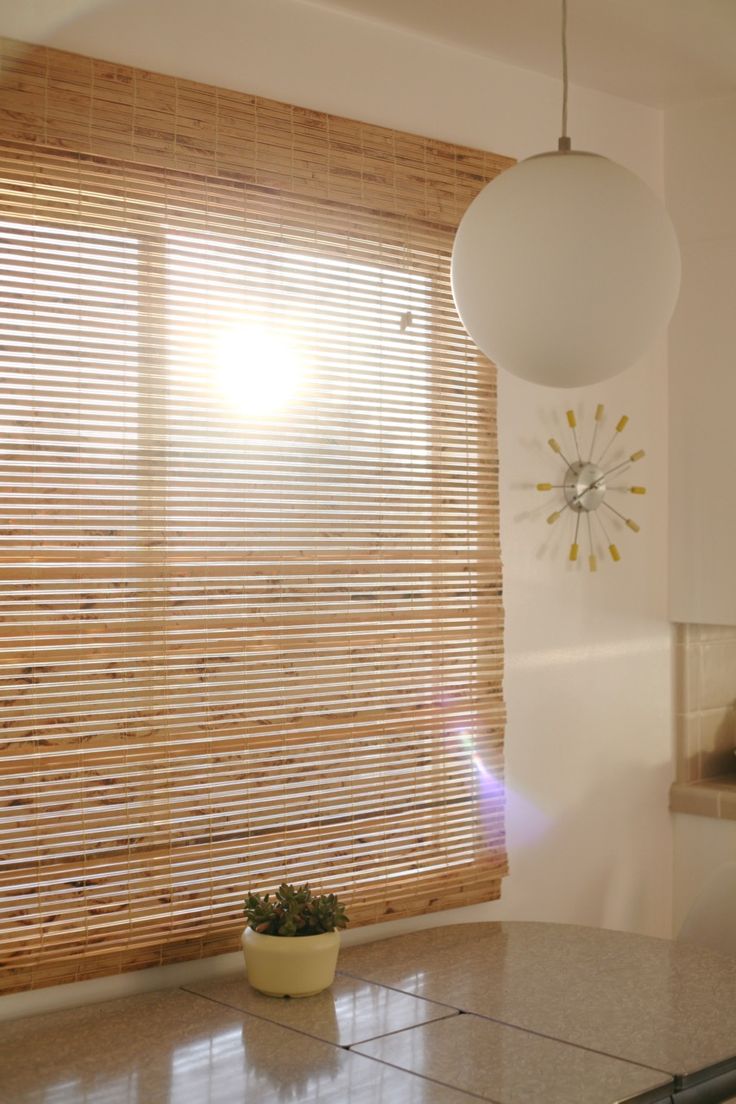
657, 52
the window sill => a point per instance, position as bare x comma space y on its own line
710, 797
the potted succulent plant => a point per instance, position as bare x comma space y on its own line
291, 941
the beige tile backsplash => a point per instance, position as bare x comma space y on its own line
706, 701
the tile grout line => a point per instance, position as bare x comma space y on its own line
647, 1096
319, 1038
577, 1046
454, 1011
433, 1080
450, 1015
347, 1048
519, 1027
395, 989
261, 1019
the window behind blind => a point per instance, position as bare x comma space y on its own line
241, 643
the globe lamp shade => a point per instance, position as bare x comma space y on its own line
565, 269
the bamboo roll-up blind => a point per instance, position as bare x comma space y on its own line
249, 573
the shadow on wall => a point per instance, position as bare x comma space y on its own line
720, 758
592, 865
714, 752
711, 921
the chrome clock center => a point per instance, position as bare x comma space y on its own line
584, 486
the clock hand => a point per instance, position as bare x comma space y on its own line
578, 497
625, 465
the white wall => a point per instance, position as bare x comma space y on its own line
700, 161
588, 687
700, 158
705, 853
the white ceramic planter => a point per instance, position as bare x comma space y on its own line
290, 966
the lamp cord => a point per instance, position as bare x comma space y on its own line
564, 143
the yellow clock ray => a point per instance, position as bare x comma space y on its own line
586, 483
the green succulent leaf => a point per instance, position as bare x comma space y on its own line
294, 911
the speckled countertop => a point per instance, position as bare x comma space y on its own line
513, 1013
663, 1004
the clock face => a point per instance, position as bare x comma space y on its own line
584, 486
592, 491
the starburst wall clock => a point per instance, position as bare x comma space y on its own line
587, 489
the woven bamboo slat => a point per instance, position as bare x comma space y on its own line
236, 646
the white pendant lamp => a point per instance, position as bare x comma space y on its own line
566, 267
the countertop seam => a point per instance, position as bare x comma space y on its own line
423, 1077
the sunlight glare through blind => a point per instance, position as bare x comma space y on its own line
258, 370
